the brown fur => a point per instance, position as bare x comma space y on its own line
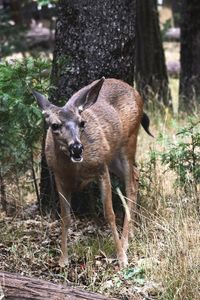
109, 139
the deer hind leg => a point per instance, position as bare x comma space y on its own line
123, 167
110, 216
65, 204
131, 183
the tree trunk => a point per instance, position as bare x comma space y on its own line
3, 193
15, 7
17, 287
176, 10
190, 54
48, 193
151, 72
93, 39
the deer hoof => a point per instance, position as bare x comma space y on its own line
123, 260
63, 261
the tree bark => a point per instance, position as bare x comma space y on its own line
3, 193
151, 72
15, 7
48, 192
93, 39
176, 10
17, 287
190, 54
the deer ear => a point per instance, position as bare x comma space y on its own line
42, 101
88, 97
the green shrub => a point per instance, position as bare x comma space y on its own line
20, 127
183, 156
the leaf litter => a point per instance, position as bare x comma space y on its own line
32, 248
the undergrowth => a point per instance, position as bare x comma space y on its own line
164, 251
169, 211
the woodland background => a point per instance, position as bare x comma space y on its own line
57, 47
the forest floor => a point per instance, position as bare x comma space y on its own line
163, 254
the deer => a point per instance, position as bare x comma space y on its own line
93, 135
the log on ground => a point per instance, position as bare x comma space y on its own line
18, 287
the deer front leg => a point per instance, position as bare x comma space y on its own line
110, 216
65, 204
65, 223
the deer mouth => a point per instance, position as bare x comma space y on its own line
76, 152
75, 158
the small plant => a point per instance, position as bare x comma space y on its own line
183, 156
130, 275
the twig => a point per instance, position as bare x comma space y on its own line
122, 198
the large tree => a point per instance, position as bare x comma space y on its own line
190, 54
93, 39
151, 73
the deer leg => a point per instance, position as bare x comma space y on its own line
131, 182
110, 216
65, 204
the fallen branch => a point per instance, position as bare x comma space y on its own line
17, 287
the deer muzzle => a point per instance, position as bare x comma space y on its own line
76, 152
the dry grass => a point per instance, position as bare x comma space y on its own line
164, 252
169, 237
169, 233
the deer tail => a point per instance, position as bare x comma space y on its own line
145, 123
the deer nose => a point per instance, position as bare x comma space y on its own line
76, 150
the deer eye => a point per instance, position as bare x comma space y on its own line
55, 126
82, 124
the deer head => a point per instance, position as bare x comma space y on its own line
66, 123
